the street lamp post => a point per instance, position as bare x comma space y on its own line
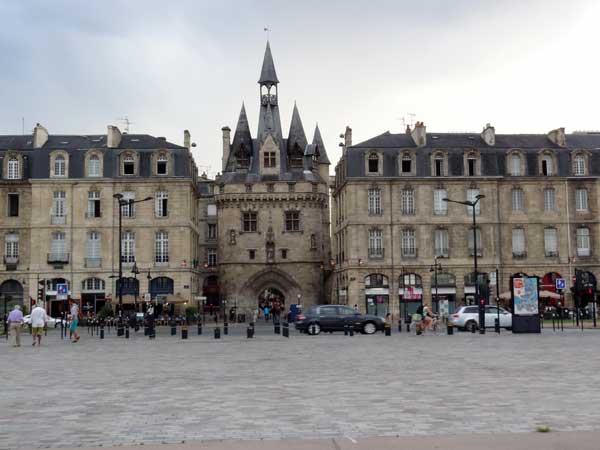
123, 203
473, 204
437, 267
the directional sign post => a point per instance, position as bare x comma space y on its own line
62, 292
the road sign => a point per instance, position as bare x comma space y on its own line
62, 291
561, 283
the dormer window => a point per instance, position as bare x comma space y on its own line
242, 157
14, 172
162, 165
296, 156
579, 165
270, 159
406, 164
60, 166
438, 165
94, 168
373, 163
515, 165
129, 165
547, 165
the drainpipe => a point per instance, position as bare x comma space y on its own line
568, 228
500, 256
391, 295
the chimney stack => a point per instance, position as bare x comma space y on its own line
113, 137
419, 134
187, 139
348, 137
489, 135
226, 146
40, 136
558, 137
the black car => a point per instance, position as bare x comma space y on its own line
334, 317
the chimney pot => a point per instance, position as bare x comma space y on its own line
557, 136
113, 137
489, 135
186, 139
419, 134
40, 136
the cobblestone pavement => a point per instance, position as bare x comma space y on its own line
118, 392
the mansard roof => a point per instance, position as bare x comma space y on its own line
80, 142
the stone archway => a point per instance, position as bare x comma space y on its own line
268, 279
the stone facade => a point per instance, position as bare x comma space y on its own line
66, 221
539, 215
273, 209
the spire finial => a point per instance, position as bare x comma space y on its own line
268, 75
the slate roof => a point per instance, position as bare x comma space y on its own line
296, 134
268, 74
73, 141
493, 158
318, 141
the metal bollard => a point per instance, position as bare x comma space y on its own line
127, 332
286, 329
199, 329
277, 328
351, 329
184, 332
146, 330
388, 329
102, 332
497, 325
120, 330
399, 325
226, 328
346, 327
151, 332
312, 329
473, 330
173, 330
249, 332
408, 321
217, 333
450, 328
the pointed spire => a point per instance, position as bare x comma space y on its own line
267, 74
242, 130
296, 135
318, 142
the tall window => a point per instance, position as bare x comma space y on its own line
408, 201
128, 165
292, 221
517, 199
93, 284
440, 207
13, 205
58, 248
375, 243
59, 209
373, 163
441, 243
60, 166
161, 165
128, 209
161, 204
439, 166
374, 201
212, 231
549, 197
550, 242
161, 247
518, 242
94, 166
406, 167
93, 251
471, 165
13, 168
270, 159
583, 241
515, 165
250, 220
211, 256
547, 166
579, 165
128, 247
93, 209
472, 197
11, 247
581, 200
470, 242
409, 243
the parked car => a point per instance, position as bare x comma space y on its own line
333, 318
52, 322
467, 318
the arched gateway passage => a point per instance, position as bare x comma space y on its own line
268, 285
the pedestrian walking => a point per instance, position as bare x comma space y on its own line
75, 314
39, 318
266, 313
276, 311
15, 322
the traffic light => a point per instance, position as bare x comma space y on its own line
31, 303
40, 292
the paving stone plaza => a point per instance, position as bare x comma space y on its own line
117, 392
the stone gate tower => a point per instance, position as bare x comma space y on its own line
273, 207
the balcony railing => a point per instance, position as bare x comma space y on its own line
376, 253
91, 263
62, 258
58, 220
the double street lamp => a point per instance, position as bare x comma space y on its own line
436, 268
122, 203
472, 204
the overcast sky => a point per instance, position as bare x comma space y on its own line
77, 66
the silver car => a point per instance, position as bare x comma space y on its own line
467, 318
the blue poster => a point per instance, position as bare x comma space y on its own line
525, 294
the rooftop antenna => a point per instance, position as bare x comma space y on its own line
125, 120
268, 31
23, 126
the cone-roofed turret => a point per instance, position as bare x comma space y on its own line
268, 75
242, 131
318, 143
296, 135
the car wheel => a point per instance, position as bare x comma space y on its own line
471, 326
314, 329
369, 328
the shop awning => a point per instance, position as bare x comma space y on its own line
443, 290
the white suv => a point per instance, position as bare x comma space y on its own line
467, 318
